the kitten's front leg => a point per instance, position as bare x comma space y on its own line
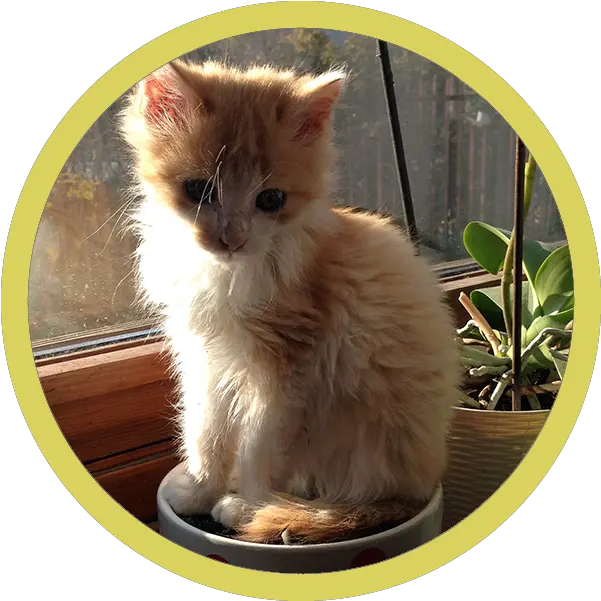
266, 444
208, 447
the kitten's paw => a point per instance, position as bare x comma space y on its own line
232, 511
187, 496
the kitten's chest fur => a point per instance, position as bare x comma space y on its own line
261, 338
255, 335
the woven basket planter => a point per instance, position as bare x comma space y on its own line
484, 447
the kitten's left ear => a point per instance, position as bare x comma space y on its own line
319, 96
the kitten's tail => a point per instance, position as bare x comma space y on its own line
295, 520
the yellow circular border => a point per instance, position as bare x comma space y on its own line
15, 317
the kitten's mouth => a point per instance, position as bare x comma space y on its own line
233, 247
232, 256
228, 255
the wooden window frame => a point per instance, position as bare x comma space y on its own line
114, 406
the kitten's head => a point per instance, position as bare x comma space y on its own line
238, 155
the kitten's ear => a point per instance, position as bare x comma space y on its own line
318, 97
166, 96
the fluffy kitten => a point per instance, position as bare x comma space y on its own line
314, 355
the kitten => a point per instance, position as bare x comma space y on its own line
315, 358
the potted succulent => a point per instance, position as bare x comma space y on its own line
491, 432
202, 535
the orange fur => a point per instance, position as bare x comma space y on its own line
300, 521
318, 361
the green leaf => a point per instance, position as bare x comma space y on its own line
487, 245
540, 358
501, 336
557, 320
557, 359
536, 360
489, 302
554, 282
477, 358
560, 358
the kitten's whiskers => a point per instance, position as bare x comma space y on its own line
220, 153
120, 212
260, 184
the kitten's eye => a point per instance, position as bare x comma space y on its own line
200, 190
271, 200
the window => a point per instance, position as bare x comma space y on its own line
99, 365
460, 156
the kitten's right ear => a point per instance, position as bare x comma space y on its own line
166, 97
314, 108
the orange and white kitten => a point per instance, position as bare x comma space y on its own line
316, 361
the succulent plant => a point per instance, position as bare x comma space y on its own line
547, 305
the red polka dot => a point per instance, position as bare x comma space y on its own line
217, 558
367, 557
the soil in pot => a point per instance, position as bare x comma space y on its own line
207, 524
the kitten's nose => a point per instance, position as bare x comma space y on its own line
233, 238
232, 245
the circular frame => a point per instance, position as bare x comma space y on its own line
108, 512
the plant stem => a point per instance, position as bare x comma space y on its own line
480, 321
507, 275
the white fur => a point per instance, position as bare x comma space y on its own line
202, 299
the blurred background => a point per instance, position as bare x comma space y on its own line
460, 154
